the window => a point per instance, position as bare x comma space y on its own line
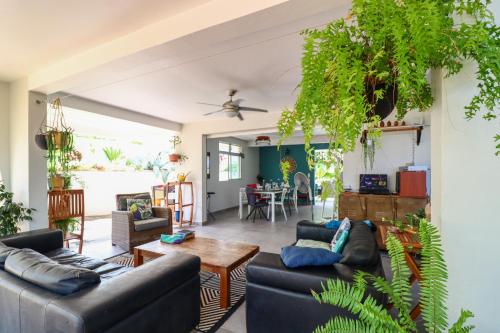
229, 161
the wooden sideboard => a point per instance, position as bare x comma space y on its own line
373, 207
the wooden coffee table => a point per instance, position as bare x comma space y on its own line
216, 256
411, 245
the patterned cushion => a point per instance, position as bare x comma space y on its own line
140, 208
312, 243
341, 236
121, 202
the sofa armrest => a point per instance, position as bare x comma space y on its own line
98, 308
43, 240
314, 231
123, 217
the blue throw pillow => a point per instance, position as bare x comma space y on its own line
333, 224
295, 256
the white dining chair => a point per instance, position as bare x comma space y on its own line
281, 203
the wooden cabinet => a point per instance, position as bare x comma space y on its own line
357, 206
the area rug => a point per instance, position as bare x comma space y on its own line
212, 316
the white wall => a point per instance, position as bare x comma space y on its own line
226, 192
466, 174
396, 150
4, 133
101, 187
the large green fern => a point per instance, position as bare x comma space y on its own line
373, 317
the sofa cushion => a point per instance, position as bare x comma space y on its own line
361, 248
296, 256
313, 244
42, 271
4, 253
104, 269
121, 199
268, 269
156, 222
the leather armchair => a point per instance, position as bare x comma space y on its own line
127, 233
160, 296
279, 299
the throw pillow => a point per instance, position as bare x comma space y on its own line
140, 208
333, 224
313, 244
344, 227
296, 256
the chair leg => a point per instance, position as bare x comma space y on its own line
249, 214
254, 213
268, 208
284, 212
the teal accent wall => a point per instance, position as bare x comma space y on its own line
269, 161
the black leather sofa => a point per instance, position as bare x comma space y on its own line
279, 299
160, 296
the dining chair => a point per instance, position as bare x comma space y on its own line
255, 204
281, 202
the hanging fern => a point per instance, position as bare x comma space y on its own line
394, 43
372, 317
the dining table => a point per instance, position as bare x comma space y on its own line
271, 193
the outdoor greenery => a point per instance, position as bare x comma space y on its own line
390, 43
11, 213
374, 317
112, 154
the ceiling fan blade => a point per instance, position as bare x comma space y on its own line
238, 101
240, 117
202, 103
245, 108
208, 114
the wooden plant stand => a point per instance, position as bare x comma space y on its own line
64, 204
179, 203
411, 246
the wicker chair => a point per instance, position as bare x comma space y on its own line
127, 233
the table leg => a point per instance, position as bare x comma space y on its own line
138, 258
272, 206
240, 211
415, 276
225, 287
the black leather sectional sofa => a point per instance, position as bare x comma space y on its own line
161, 296
279, 299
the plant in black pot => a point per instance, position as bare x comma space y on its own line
11, 213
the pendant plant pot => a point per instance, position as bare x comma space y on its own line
59, 138
174, 158
384, 106
57, 182
41, 141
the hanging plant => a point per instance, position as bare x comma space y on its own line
60, 149
382, 53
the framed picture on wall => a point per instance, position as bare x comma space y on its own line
208, 165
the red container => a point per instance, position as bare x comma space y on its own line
412, 184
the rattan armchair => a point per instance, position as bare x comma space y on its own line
127, 233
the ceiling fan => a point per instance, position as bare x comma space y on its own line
232, 108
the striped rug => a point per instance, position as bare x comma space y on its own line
212, 316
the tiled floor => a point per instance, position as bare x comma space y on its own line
269, 236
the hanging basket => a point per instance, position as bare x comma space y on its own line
174, 158
41, 141
384, 106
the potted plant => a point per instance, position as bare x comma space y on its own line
11, 213
175, 141
67, 225
381, 54
370, 316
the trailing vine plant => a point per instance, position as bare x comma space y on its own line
374, 317
384, 44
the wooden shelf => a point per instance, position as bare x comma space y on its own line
407, 128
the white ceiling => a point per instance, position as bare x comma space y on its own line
37, 33
259, 55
